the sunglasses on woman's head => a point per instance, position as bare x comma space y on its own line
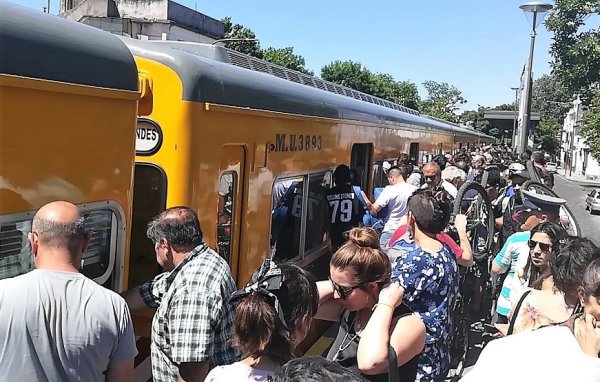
343, 291
543, 246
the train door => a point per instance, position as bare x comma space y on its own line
230, 201
360, 164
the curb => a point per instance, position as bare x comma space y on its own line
586, 183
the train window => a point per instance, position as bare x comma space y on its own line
102, 223
317, 214
360, 164
15, 255
149, 199
226, 208
414, 153
99, 258
286, 218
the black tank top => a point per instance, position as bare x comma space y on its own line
345, 347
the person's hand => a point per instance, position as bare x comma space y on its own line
460, 223
587, 334
392, 294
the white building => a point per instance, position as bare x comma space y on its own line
574, 152
144, 19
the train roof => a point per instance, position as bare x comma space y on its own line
208, 75
37, 45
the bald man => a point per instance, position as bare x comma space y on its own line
55, 323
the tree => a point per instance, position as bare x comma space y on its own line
546, 136
348, 73
576, 48
401, 92
442, 101
285, 57
550, 98
238, 31
355, 76
590, 129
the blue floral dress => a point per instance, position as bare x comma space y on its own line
430, 281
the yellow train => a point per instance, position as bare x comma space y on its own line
68, 108
215, 117
206, 127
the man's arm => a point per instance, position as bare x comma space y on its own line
460, 222
193, 371
134, 299
120, 371
502, 261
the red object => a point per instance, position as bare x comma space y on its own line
441, 237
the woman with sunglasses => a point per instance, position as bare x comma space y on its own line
273, 316
558, 298
374, 326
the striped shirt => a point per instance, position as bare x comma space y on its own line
512, 257
194, 318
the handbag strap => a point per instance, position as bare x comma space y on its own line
513, 319
393, 373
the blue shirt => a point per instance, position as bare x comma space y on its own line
430, 281
512, 257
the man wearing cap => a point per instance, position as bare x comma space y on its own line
535, 209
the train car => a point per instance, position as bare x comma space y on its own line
68, 110
231, 136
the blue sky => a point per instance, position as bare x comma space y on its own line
479, 46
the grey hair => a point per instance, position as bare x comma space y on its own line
45, 227
452, 172
60, 235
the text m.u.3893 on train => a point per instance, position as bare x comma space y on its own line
297, 142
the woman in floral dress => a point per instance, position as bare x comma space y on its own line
429, 274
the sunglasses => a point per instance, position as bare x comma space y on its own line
343, 291
543, 246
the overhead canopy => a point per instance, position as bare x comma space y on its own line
504, 120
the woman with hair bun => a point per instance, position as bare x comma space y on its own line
273, 316
428, 272
374, 326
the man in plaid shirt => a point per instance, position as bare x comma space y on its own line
191, 327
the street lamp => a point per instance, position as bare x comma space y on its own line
513, 139
538, 10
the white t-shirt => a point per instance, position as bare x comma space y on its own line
237, 372
548, 354
396, 199
61, 326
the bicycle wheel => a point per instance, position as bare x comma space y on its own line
473, 201
567, 218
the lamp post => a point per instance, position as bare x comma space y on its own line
514, 133
538, 10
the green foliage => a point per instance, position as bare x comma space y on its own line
443, 100
591, 127
348, 73
546, 136
550, 98
475, 119
285, 57
576, 49
251, 48
355, 76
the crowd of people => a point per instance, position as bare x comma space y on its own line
392, 291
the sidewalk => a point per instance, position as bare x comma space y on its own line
580, 179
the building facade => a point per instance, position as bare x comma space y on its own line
574, 153
145, 19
